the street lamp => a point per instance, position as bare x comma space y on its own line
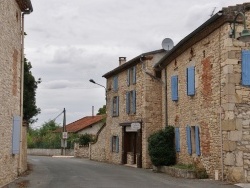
245, 34
92, 81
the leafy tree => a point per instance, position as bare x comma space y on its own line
30, 109
85, 139
102, 110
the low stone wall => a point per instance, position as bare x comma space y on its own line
49, 152
81, 151
176, 172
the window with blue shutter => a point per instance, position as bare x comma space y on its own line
133, 101
117, 145
245, 67
127, 102
115, 83
197, 140
189, 144
191, 81
16, 133
134, 74
115, 106
177, 139
174, 87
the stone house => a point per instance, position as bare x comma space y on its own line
13, 134
86, 125
134, 109
206, 77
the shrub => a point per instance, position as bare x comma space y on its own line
161, 147
85, 139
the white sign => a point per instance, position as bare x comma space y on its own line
135, 126
65, 135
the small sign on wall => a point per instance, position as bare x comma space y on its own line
65, 135
135, 126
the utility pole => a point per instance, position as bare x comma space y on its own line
64, 133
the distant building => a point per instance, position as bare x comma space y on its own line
13, 157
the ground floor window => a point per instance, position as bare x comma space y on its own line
115, 144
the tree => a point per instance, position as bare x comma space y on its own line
30, 110
102, 110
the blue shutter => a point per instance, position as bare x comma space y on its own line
174, 87
117, 145
177, 139
189, 144
112, 107
190, 81
117, 106
134, 74
128, 77
133, 101
127, 102
16, 133
115, 83
245, 67
197, 140
111, 144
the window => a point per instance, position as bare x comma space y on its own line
115, 106
16, 131
174, 87
158, 74
245, 67
115, 83
131, 102
115, 144
131, 76
193, 140
177, 139
191, 81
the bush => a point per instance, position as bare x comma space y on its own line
85, 139
161, 147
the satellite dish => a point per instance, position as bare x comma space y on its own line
167, 44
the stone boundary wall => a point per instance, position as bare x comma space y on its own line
49, 152
81, 151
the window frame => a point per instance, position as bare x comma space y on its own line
131, 102
115, 144
115, 106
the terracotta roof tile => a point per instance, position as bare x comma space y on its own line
82, 123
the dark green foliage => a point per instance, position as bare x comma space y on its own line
85, 139
161, 147
102, 110
30, 109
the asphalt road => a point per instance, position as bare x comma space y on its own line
50, 172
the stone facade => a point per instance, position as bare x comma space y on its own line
148, 109
10, 77
220, 106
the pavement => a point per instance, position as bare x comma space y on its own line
244, 185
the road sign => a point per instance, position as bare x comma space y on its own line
65, 135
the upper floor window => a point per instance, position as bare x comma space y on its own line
131, 76
245, 67
115, 83
174, 87
131, 102
115, 106
191, 81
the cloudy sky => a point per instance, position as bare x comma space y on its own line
72, 41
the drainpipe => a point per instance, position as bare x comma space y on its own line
165, 95
22, 86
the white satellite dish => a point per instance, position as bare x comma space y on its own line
167, 44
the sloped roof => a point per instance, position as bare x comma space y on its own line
82, 123
130, 63
25, 5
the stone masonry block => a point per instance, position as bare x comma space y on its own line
229, 89
229, 146
228, 106
239, 158
229, 159
227, 69
235, 135
230, 78
228, 125
238, 124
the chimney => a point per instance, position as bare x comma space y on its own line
122, 60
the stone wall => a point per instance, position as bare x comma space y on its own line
81, 151
10, 55
49, 152
98, 149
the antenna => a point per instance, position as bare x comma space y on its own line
167, 44
213, 12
